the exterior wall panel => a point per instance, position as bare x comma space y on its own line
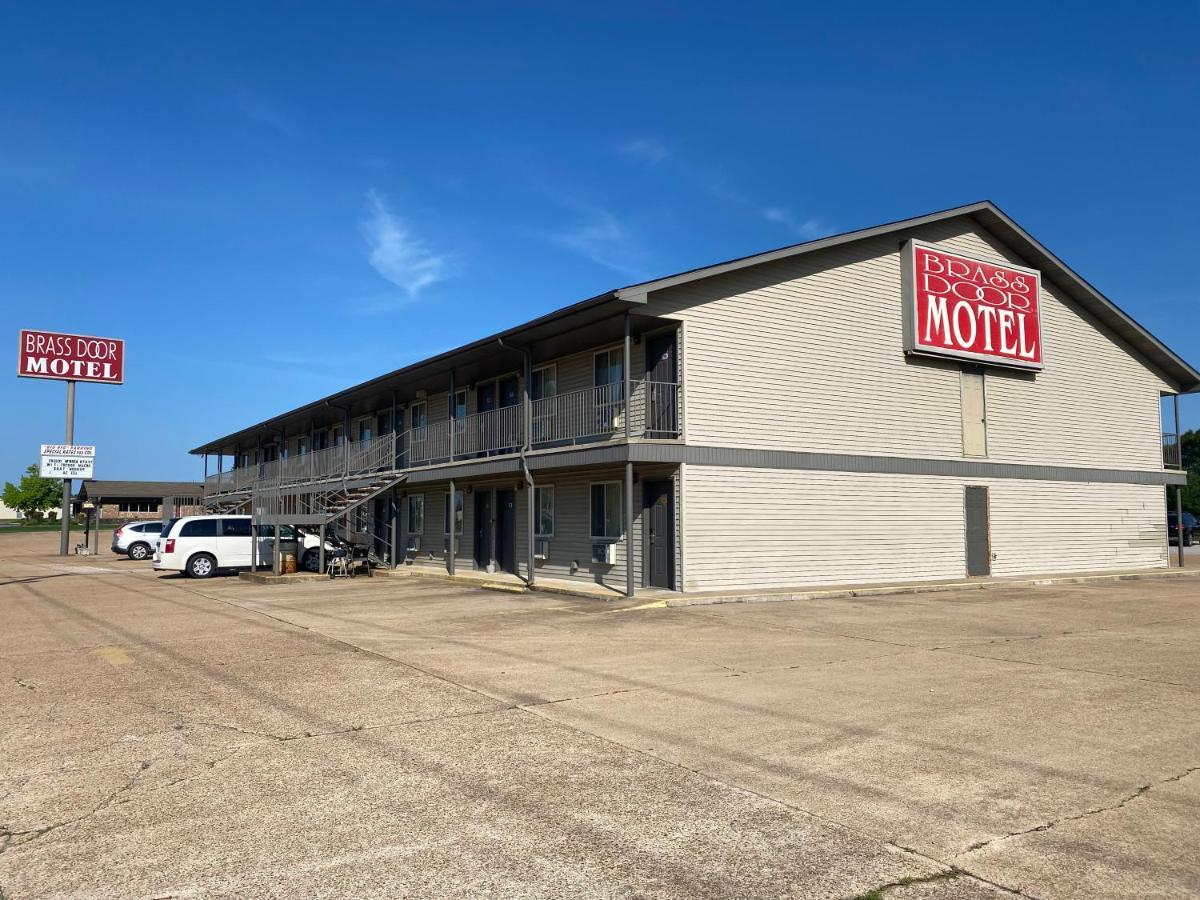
785, 528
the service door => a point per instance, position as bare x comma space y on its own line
659, 541
483, 529
506, 530
979, 544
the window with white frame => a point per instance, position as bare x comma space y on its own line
458, 513
606, 510
543, 502
416, 513
138, 506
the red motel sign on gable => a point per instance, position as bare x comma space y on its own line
967, 308
70, 357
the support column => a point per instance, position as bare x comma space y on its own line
253, 536
452, 550
276, 562
321, 550
1179, 519
625, 366
530, 487
629, 586
394, 527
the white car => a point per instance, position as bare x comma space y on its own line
200, 546
136, 539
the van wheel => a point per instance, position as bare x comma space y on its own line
201, 566
311, 561
140, 550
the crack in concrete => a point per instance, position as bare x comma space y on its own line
877, 893
1075, 817
9, 837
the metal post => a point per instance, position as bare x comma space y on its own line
65, 532
629, 589
1179, 520
321, 550
276, 561
253, 535
99, 501
394, 526
452, 549
628, 354
530, 487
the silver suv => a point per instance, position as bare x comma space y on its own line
136, 539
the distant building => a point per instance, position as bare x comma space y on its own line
7, 512
141, 499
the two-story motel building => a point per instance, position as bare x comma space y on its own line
935, 398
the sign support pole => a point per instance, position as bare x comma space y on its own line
65, 535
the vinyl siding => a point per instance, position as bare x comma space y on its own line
750, 528
807, 354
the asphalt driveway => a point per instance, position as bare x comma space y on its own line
163, 737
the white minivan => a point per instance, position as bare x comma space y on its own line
200, 546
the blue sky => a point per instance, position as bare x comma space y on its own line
273, 201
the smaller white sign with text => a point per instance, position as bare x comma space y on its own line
68, 460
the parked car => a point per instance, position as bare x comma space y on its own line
136, 539
201, 546
1190, 525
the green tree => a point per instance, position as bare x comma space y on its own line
33, 493
1189, 444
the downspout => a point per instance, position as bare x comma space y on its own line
526, 446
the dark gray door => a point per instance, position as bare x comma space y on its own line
659, 542
662, 414
483, 529
979, 544
506, 530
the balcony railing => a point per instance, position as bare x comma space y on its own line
1172, 455
586, 416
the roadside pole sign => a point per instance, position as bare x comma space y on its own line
69, 358
68, 461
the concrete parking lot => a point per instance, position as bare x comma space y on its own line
164, 737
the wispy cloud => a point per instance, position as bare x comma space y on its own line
808, 229
603, 239
265, 111
396, 254
649, 151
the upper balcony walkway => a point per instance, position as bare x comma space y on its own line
592, 415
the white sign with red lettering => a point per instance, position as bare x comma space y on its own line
967, 308
68, 460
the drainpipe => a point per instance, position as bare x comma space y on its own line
526, 445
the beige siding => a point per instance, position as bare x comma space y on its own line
807, 354
784, 528
1041, 526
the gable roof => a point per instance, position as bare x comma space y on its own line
586, 314
142, 490
1008, 232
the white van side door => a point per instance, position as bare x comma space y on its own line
234, 543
